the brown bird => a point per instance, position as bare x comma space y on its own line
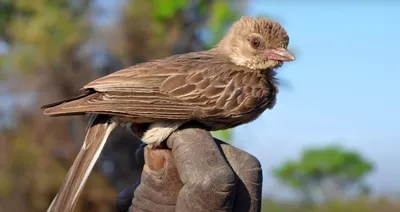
226, 86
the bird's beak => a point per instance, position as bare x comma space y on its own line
280, 54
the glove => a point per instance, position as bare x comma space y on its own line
195, 172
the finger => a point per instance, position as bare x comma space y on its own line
209, 182
124, 198
160, 183
248, 170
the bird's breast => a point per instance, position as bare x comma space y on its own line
246, 97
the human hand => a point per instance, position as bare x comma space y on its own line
195, 173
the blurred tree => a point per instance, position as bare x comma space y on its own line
224, 135
55, 47
323, 174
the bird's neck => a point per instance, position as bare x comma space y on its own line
224, 56
269, 72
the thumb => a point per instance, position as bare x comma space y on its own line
160, 182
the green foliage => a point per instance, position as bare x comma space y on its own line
224, 135
316, 165
166, 9
40, 32
353, 205
222, 13
6, 10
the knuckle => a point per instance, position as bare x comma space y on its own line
222, 179
251, 162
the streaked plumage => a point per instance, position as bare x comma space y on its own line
229, 85
190, 87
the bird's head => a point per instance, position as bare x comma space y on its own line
256, 43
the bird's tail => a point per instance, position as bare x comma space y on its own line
99, 129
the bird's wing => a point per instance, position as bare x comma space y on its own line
179, 88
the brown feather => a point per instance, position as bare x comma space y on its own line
198, 86
99, 129
85, 93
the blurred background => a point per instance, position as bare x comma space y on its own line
330, 144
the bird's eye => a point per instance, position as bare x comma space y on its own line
255, 43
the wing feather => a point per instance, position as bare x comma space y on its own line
173, 89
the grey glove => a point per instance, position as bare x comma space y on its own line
195, 173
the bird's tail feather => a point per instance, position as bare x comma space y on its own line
99, 129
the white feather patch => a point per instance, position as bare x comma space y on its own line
160, 131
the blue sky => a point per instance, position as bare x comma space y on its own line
345, 86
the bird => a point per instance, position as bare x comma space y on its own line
228, 85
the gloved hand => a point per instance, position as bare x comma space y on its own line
195, 173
